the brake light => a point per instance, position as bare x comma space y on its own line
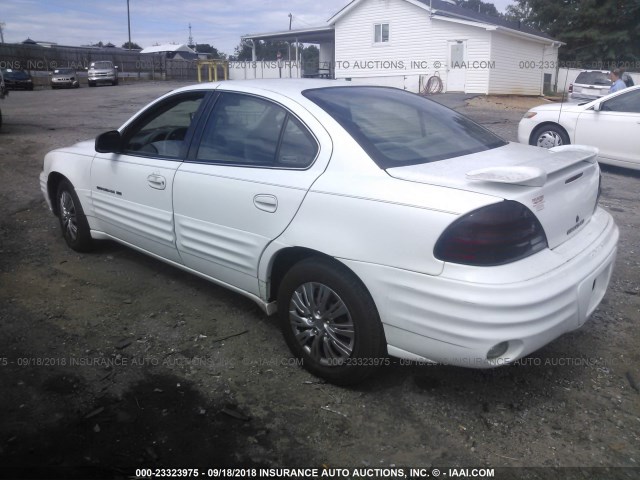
493, 235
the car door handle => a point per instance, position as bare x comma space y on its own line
268, 203
157, 181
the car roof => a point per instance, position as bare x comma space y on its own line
287, 87
280, 85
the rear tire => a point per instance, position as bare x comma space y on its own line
330, 321
73, 222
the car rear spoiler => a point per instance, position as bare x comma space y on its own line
531, 175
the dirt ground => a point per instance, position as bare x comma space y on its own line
113, 361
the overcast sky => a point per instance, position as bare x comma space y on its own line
216, 22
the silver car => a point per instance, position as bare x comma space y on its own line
64, 78
103, 71
590, 85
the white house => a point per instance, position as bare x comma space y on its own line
405, 42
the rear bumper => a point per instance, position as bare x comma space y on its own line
456, 321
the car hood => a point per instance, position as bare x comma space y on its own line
560, 107
560, 185
86, 147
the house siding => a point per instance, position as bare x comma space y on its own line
357, 55
418, 46
518, 65
478, 43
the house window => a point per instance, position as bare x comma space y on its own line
381, 32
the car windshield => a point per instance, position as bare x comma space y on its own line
101, 65
16, 74
63, 71
593, 78
398, 128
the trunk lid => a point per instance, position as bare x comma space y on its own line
560, 186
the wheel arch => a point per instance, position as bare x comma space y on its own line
285, 258
52, 188
544, 125
282, 261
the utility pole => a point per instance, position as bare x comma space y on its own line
129, 24
289, 44
2, 24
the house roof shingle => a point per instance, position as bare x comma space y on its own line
447, 9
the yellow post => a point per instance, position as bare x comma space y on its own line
212, 68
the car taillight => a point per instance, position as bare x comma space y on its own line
493, 235
571, 88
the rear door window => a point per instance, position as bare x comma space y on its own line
246, 130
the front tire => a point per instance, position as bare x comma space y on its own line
330, 321
548, 136
73, 222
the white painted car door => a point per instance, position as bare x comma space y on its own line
614, 129
255, 162
132, 191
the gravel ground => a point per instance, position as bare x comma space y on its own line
112, 361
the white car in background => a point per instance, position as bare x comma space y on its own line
610, 123
373, 220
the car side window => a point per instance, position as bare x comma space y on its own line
162, 131
627, 102
250, 131
298, 147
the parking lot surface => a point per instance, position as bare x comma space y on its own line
113, 360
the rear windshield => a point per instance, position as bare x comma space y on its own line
593, 78
398, 128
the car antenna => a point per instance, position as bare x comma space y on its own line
564, 92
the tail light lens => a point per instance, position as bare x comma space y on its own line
493, 235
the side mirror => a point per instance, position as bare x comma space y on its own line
597, 107
109, 142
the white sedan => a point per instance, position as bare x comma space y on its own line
610, 123
374, 221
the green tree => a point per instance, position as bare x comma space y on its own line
479, 6
212, 51
310, 59
265, 50
134, 46
594, 31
